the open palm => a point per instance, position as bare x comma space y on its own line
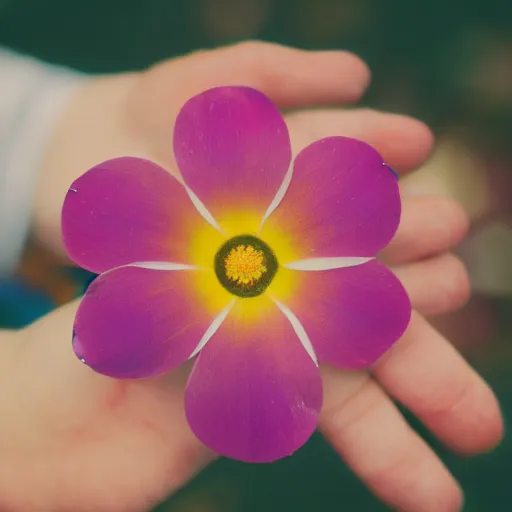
83, 442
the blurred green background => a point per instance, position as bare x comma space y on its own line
448, 62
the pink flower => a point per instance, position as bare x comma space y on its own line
261, 269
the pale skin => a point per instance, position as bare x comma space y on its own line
72, 440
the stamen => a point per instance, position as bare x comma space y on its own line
245, 264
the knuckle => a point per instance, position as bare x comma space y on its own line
457, 396
394, 467
352, 410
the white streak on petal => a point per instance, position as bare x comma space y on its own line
316, 264
155, 265
162, 265
299, 330
214, 326
203, 211
279, 195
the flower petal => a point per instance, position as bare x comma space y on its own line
351, 314
342, 201
254, 393
233, 149
128, 210
137, 322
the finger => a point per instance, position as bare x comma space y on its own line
426, 374
437, 285
429, 225
290, 77
370, 434
404, 142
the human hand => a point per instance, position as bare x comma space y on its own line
123, 445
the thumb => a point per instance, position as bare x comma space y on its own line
51, 383
129, 434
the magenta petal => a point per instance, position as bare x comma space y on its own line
127, 210
135, 322
353, 314
254, 393
232, 147
342, 201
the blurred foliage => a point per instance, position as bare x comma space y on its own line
448, 62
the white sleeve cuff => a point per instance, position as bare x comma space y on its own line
32, 97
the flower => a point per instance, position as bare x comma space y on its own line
263, 269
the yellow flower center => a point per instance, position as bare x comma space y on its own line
245, 265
